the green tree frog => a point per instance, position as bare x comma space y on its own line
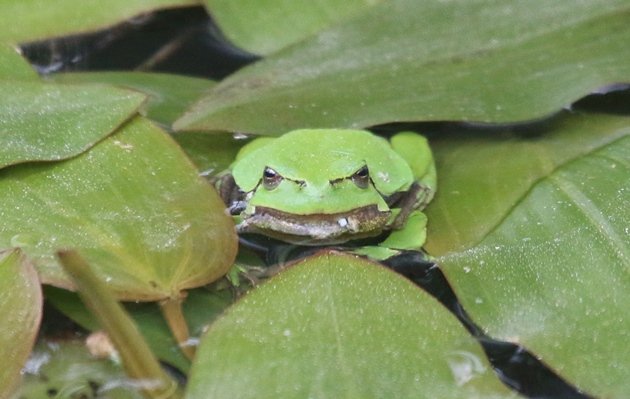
331, 186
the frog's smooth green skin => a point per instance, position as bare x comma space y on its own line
329, 186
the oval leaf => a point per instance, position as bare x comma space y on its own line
41, 122
201, 307
263, 27
406, 60
133, 206
21, 310
168, 95
482, 177
336, 326
550, 270
39, 19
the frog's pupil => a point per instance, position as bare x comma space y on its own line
361, 177
270, 173
271, 178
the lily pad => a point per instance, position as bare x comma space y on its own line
168, 95
263, 27
63, 17
133, 206
21, 310
42, 122
405, 60
549, 269
338, 326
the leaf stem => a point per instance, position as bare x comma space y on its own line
172, 312
138, 360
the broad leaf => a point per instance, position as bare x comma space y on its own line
42, 122
405, 60
168, 95
263, 27
26, 20
133, 206
335, 326
533, 236
13, 66
21, 310
201, 307
483, 176
210, 152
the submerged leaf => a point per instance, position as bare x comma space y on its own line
66, 369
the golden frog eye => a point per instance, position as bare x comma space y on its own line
361, 177
271, 179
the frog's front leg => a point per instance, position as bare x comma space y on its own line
411, 237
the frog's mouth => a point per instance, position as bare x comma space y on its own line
316, 229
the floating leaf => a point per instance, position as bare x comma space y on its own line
201, 307
405, 60
168, 95
41, 122
133, 206
533, 236
263, 27
336, 326
39, 19
21, 310
483, 176
13, 66
210, 152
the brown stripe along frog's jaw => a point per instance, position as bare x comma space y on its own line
316, 229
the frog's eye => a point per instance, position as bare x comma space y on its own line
361, 177
271, 178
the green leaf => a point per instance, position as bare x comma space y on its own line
21, 310
263, 27
547, 265
168, 95
65, 369
39, 19
210, 152
406, 60
13, 66
336, 326
41, 122
133, 206
483, 176
201, 307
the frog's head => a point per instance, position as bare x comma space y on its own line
319, 186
